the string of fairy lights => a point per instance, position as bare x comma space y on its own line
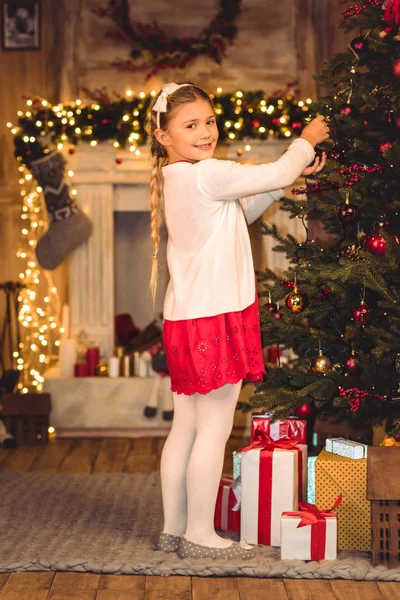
39, 303
43, 128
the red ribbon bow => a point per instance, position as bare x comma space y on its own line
264, 442
310, 514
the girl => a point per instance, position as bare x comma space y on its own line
211, 331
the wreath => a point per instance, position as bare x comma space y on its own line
153, 51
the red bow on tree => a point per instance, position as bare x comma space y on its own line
392, 12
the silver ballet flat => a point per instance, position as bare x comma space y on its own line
237, 550
168, 542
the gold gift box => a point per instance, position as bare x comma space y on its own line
336, 475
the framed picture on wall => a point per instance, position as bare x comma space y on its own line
21, 24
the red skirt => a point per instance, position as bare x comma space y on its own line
206, 353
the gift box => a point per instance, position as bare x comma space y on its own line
311, 479
237, 464
227, 508
274, 475
291, 429
309, 534
334, 475
347, 448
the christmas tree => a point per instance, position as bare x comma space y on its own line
338, 304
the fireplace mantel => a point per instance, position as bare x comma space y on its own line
105, 186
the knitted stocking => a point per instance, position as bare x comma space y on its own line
69, 226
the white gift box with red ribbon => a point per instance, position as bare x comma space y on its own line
310, 533
274, 479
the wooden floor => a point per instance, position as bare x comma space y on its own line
143, 455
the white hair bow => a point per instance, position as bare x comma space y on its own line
161, 103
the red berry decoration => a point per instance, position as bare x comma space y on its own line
71, 150
361, 313
375, 244
396, 68
349, 213
119, 160
256, 123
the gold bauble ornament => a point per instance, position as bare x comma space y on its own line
320, 364
102, 369
295, 301
389, 441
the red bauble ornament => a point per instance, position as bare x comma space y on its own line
385, 146
271, 306
348, 110
104, 121
71, 150
305, 410
256, 123
396, 68
361, 313
375, 244
349, 213
397, 437
359, 44
119, 160
353, 365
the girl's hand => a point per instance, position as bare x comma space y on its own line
316, 166
317, 131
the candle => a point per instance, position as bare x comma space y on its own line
81, 370
67, 357
92, 359
113, 366
65, 321
127, 365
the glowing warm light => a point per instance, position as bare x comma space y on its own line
34, 321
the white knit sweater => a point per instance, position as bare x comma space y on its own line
208, 252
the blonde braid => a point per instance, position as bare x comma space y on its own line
157, 215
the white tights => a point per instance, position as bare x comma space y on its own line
192, 462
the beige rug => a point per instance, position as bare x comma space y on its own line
107, 523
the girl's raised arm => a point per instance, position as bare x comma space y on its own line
228, 180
